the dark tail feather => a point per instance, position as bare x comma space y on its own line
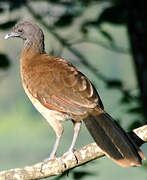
112, 139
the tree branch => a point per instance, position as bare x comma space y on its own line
67, 161
111, 47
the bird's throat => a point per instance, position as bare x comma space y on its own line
33, 47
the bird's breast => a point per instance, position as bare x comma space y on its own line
48, 114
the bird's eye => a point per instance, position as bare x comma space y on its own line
20, 30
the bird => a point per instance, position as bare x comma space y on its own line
60, 92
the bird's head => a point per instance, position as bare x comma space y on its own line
28, 31
25, 30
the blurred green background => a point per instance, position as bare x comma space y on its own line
98, 43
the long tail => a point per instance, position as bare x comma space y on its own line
112, 139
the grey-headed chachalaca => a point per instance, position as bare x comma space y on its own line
61, 92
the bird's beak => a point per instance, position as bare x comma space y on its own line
10, 35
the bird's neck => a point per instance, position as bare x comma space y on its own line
30, 50
34, 47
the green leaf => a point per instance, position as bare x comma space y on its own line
145, 165
8, 24
115, 14
135, 110
114, 83
126, 98
84, 30
4, 61
1, 10
106, 35
134, 125
64, 20
15, 4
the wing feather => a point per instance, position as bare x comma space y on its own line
59, 85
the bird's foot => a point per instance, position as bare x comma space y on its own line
45, 161
71, 151
49, 158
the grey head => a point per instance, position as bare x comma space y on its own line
29, 32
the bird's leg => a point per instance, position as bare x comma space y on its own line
77, 127
53, 153
58, 128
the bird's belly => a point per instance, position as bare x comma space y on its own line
48, 114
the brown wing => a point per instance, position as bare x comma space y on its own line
59, 85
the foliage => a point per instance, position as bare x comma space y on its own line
115, 13
4, 61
